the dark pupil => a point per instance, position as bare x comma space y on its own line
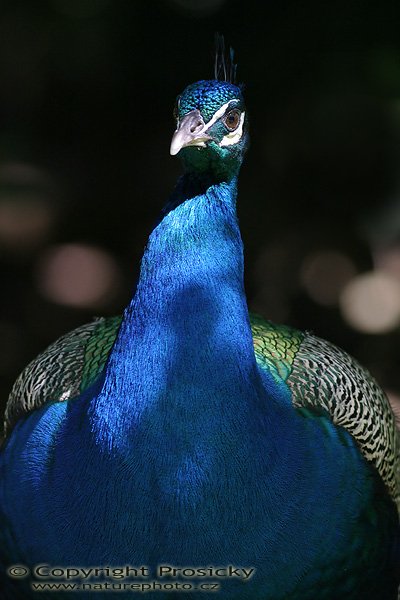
232, 119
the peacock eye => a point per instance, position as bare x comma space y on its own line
232, 119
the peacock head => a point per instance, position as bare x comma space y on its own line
211, 133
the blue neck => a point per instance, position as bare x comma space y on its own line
186, 331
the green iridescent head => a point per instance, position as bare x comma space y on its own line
211, 129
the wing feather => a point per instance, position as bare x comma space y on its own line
322, 375
63, 370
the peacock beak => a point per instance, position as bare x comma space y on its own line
190, 132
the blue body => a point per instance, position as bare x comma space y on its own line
186, 453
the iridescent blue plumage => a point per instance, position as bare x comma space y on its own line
187, 449
208, 97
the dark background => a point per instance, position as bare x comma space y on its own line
86, 95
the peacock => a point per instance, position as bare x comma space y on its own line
198, 444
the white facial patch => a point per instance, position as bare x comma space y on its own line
220, 113
233, 136
192, 131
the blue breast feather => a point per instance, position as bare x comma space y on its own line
186, 452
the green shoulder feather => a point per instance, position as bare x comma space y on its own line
322, 376
66, 368
319, 375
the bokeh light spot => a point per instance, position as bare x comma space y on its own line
371, 302
324, 275
388, 260
394, 400
28, 206
23, 223
78, 275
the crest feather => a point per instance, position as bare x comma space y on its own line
224, 68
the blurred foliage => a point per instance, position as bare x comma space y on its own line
86, 98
